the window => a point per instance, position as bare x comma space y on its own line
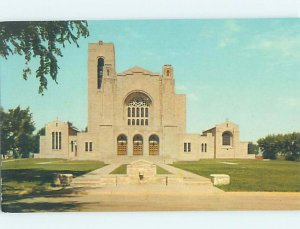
107, 72
146, 111
187, 147
59, 140
129, 112
137, 109
142, 112
56, 140
100, 72
226, 138
53, 140
91, 146
86, 146
203, 147
168, 72
72, 146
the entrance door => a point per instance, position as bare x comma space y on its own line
138, 145
153, 145
122, 145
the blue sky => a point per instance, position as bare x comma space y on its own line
244, 70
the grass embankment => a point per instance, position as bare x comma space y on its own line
250, 175
123, 170
24, 178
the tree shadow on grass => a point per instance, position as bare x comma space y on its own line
18, 207
63, 192
19, 184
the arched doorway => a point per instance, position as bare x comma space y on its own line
122, 145
153, 145
138, 145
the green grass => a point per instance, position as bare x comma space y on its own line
123, 170
160, 170
250, 175
120, 170
24, 178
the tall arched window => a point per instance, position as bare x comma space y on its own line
100, 72
227, 138
137, 107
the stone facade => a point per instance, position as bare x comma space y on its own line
136, 114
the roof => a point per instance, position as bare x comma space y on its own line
137, 69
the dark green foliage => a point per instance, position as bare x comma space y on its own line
41, 39
287, 145
17, 129
253, 148
36, 140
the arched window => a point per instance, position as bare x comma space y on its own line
202, 147
138, 105
205, 147
100, 72
227, 138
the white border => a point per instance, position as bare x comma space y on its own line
149, 9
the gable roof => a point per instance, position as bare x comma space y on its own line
137, 69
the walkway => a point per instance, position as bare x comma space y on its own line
92, 178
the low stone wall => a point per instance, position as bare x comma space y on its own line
220, 179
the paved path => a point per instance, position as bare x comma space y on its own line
154, 199
182, 173
96, 174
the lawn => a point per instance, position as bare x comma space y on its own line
123, 170
250, 175
23, 178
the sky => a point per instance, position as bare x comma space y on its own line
247, 71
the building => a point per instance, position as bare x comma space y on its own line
136, 114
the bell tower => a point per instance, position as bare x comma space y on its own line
101, 80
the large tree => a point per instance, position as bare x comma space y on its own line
36, 140
41, 39
287, 145
17, 129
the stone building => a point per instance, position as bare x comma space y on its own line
136, 114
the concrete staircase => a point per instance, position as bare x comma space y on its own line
102, 177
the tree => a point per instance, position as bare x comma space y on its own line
36, 140
40, 39
17, 132
287, 145
253, 148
